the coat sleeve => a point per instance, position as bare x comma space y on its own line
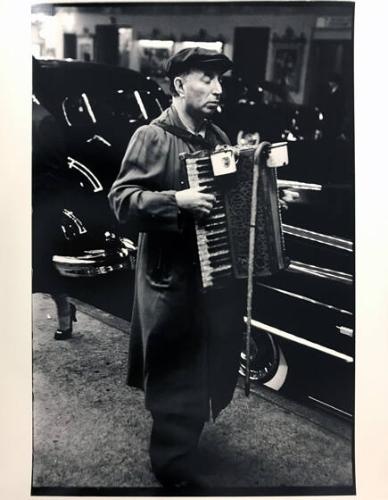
137, 196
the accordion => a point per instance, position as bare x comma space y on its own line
223, 237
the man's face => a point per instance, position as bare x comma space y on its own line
202, 91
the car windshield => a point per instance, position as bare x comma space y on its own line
128, 105
135, 105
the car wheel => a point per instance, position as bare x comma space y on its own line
268, 365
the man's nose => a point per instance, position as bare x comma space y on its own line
216, 87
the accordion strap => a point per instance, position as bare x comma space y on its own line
185, 134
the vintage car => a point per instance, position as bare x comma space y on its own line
303, 318
98, 108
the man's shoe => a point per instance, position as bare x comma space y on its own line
183, 481
195, 483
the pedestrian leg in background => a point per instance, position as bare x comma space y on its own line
66, 314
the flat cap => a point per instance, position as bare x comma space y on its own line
196, 57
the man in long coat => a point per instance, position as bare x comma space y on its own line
184, 344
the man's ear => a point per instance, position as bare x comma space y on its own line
178, 85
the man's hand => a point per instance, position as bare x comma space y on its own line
287, 196
195, 201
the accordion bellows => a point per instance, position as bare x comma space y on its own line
223, 238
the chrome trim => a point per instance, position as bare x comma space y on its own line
344, 330
330, 406
84, 260
65, 113
299, 340
306, 299
305, 186
88, 107
324, 239
99, 138
82, 270
97, 261
81, 228
84, 170
128, 244
320, 272
140, 103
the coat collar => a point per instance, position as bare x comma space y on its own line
170, 116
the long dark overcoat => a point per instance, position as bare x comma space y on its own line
184, 344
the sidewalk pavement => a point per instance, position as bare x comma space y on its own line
91, 430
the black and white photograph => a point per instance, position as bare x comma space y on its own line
193, 265
177, 162
195, 273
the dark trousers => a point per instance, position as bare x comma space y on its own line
173, 446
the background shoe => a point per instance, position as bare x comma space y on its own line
63, 334
67, 334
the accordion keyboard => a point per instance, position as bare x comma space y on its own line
212, 234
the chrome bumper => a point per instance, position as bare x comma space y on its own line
97, 261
